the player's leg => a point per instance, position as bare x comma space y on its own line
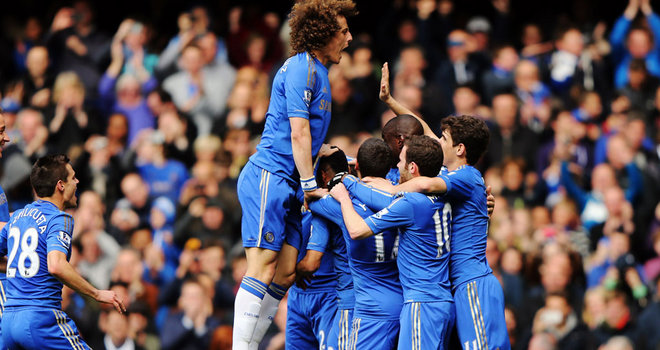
324, 311
299, 326
264, 201
339, 337
374, 334
426, 325
480, 319
285, 273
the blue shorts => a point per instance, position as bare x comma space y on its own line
340, 334
426, 325
480, 320
309, 319
40, 328
373, 334
271, 208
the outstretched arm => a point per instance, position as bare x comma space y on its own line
394, 105
356, 226
59, 267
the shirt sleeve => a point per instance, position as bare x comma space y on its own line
328, 208
60, 231
319, 235
457, 185
398, 213
299, 89
375, 199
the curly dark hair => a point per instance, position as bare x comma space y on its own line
426, 153
472, 132
314, 22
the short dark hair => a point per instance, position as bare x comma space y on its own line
405, 125
46, 172
472, 132
314, 22
336, 162
426, 153
374, 158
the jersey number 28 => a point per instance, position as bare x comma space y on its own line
29, 242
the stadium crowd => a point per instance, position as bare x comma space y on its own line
158, 140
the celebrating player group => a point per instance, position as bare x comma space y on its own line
387, 254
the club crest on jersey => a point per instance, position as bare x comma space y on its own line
269, 237
64, 238
307, 98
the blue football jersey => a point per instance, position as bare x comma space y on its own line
29, 236
326, 233
394, 176
324, 278
301, 89
424, 224
466, 192
372, 261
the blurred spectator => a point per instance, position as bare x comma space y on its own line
534, 96
133, 210
38, 80
164, 176
192, 327
559, 319
649, 321
203, 219
129, 270
533, 45
619, 320
636, 42
69, 121
28, 37
618, 343
98, 255
97, 169
124, 92
641, 86
499, 78
253, 38
132, 38
508, 138
201, 93
77, 46
140, 328
116, 329
459, 68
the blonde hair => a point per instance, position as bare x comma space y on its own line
67, 80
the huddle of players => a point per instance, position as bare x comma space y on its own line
366, 232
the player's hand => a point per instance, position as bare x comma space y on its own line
340, 193
305, 269
490, 201
327, 150
110, 297
384, 94
311, 196
380, 183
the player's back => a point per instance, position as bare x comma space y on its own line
423, 255
27, 238
300, 89
372, 263
466, 192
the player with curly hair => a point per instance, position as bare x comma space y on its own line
280, 174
